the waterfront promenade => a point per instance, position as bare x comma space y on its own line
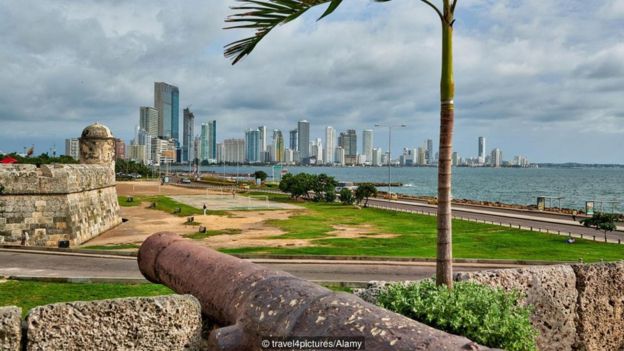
530, 220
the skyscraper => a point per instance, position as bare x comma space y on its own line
278, 146
204, 149
481, 150
429, 152
212, 139
303, 131
187, 135
263, 139
252, 145
72, 148
294, 139
348, 141
233, 150
167, 102
330, 145
367, 144
496, 158
148, 120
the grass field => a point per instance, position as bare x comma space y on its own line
29, 294
166, 204
416, 237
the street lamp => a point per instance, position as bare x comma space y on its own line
390, 149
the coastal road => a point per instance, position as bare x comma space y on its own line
551, 223
22, 263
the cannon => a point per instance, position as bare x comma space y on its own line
251, 303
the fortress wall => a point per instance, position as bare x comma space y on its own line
57, 202
55, 178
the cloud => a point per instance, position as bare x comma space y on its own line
521, 67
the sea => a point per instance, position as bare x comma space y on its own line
565, 187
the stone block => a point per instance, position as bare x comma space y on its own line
10, 328
600, 313
145, 323
551, 290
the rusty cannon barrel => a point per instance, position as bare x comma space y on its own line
254, 304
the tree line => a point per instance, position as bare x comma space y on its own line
321, 187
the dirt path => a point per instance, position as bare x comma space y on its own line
251, 225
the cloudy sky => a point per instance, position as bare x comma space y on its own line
539, 78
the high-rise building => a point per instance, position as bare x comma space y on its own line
496, 158
303, 132
143, 138
481, 150
429, 152
289, 156
137, 153
212, 139
187, 135
377, 153
330, 145
421, 160
167, 102
278, 146
203, 144
208, 141
316, 150
120, 149
263, 138
367, 144
163, 151
455, 159
72, 148
220, 152
148, 120
252, 146
196, 149
234, 150
294, 139
348, 142
339, 157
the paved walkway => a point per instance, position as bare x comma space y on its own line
66, 265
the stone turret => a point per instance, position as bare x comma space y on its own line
97, 145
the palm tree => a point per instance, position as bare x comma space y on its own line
264, 15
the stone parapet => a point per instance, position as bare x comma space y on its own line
10, 328
167, 323
54, 179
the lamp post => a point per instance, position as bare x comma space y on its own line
390, 149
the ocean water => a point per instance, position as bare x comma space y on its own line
508, 185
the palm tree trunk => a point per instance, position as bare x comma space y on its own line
444, 266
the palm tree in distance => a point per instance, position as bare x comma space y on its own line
264, 15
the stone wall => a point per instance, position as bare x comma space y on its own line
146, 323
57, 202
576, 307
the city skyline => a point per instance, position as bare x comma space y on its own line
571, 55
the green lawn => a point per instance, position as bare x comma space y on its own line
166, 204
416, 237
209, 233
29, 294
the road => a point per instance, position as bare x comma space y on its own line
14, 263
527, 220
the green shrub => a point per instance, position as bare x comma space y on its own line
346, 196
486, 315
330, 196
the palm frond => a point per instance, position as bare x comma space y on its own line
263, 16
